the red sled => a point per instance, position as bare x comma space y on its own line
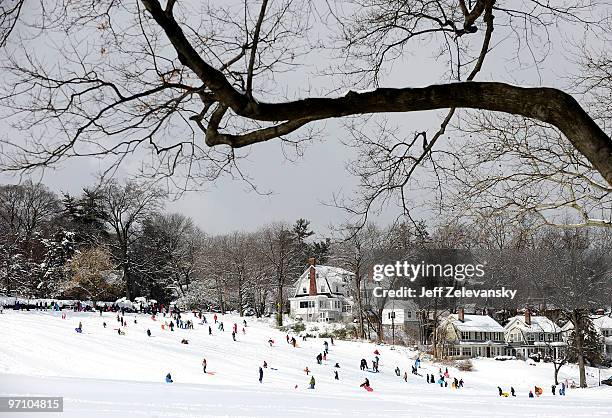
368, 388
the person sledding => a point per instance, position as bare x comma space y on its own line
148, 332
79, 329
169, 378
271, 342
377, 352
365, 384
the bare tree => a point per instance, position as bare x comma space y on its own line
25, 211
209, 75
280, 253
126, 207
93, 276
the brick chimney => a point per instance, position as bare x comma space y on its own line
527, 317
461, 314
313, 277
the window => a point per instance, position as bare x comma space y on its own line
303, 290
453, 351
467, 351
408, 314
337, 289
540, 336
322, 288
304, 304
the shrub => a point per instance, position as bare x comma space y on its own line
465, 365
298, 327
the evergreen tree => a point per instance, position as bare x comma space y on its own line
592, 344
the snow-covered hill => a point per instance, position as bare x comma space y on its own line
101, 373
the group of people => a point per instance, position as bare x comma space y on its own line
444, 379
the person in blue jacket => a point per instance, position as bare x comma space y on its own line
169, 378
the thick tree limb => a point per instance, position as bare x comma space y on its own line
544, 104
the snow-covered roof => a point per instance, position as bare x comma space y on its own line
550, 343
538, 324
603, 322
475, 323
333, 278
483, 343
331, 274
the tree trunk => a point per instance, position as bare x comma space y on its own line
359, 303
241, 308
127, 279
279, 303
578, 336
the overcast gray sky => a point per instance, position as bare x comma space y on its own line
299, 188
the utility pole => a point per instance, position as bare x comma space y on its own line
393, 329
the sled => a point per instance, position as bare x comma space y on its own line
211, 373
505, 394
368, 388
78, 330
273, 368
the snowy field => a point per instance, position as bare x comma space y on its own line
102, 374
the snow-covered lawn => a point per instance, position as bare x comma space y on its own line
101, 373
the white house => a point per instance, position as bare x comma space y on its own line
603, 325
462, 335
403, 314
527, 335
322, 294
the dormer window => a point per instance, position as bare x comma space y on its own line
322, 288
303, 290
